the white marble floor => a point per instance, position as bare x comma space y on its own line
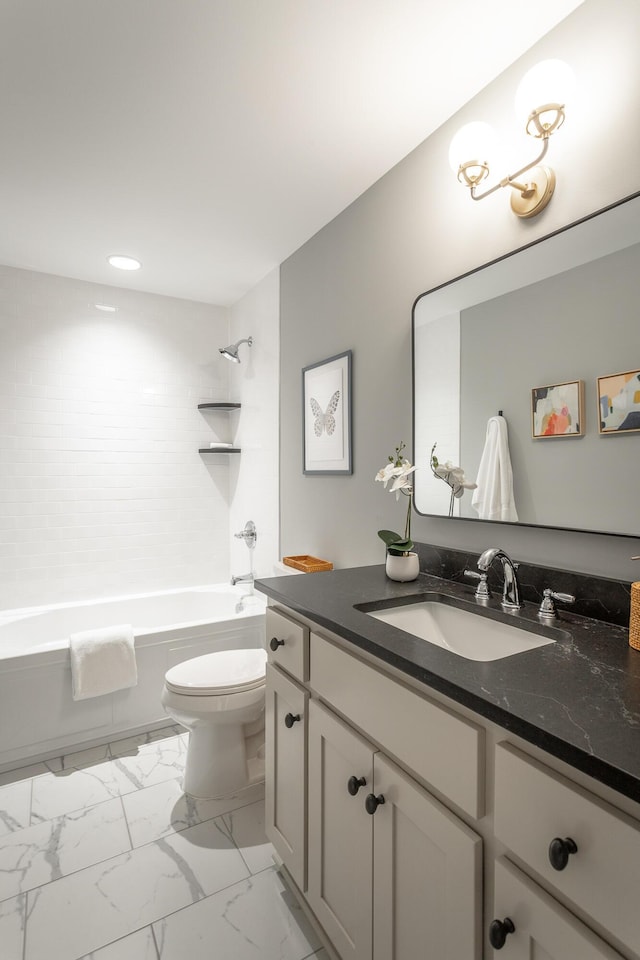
102, 856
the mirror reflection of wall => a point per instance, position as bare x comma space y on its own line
579, 324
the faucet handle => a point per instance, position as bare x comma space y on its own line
547, 609
482, 590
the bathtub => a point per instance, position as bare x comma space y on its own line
38, 716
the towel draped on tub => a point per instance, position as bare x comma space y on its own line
102, 661
493, 496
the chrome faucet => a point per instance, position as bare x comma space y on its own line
511, 593
243, 578
249, 534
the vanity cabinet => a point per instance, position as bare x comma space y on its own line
540, 927
286, 709
414, 829
393, 874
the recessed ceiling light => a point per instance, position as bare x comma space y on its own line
123, 262
106, 307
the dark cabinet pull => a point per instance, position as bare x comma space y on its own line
354, 784
372, 803
560, 850
274, 643
499, 930
290, 719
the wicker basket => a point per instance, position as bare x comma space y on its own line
634, 619
307, 564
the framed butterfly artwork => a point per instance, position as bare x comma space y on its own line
326, 420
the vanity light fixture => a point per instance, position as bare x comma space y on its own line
123, 262
548, 84
231, 352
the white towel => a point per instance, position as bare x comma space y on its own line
493, 497
102, 661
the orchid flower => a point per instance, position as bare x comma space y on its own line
398, 470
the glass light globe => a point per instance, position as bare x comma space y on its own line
551, 81
474, 141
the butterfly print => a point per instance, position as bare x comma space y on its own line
324, 421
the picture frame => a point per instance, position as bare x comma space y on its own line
619, 403
326, 417
557, 410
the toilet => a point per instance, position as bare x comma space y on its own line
220, 698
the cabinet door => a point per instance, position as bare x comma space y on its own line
427, 866
543, 930
286, 771
340, 833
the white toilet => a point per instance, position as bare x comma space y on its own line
220, 699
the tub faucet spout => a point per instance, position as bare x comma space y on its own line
511, 593
243, 578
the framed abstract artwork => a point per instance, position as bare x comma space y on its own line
619, 402
326, 416
557, 410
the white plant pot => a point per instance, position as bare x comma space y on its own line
402, 568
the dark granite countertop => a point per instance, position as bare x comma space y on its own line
578, 698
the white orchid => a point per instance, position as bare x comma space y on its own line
452, 475
399, 471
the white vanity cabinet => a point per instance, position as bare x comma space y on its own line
393, 874
286, 710
535, 926
416, 829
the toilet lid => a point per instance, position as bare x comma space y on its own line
214, 674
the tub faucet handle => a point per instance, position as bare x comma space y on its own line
248, 533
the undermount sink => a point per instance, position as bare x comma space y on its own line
467, 633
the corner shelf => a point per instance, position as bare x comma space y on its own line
219, 406
222, 450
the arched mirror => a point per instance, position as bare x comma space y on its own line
554, 326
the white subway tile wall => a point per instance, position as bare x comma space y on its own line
102, 489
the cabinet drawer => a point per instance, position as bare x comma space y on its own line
287, 643
442, 748
542, 928
534, 805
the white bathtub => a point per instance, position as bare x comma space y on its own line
39, 718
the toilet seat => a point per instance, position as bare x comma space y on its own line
218, 674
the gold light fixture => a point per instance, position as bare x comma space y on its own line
550, 84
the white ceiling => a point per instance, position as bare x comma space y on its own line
211, 138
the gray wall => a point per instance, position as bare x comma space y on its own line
583, 324
353, 284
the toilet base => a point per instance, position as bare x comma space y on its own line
218, 764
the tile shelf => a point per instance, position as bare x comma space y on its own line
224, 407
224, 450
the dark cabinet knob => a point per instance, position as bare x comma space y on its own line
560, 850
354, 784
274, 643
291, 718
499, 930
372, 803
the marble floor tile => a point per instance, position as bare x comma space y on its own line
12, 923
57, 794
257, 919
56, 848
163, 809
246, 828
95, 906
15, 806
131, 745
137, 946
150, 763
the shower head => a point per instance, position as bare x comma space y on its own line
231, 352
